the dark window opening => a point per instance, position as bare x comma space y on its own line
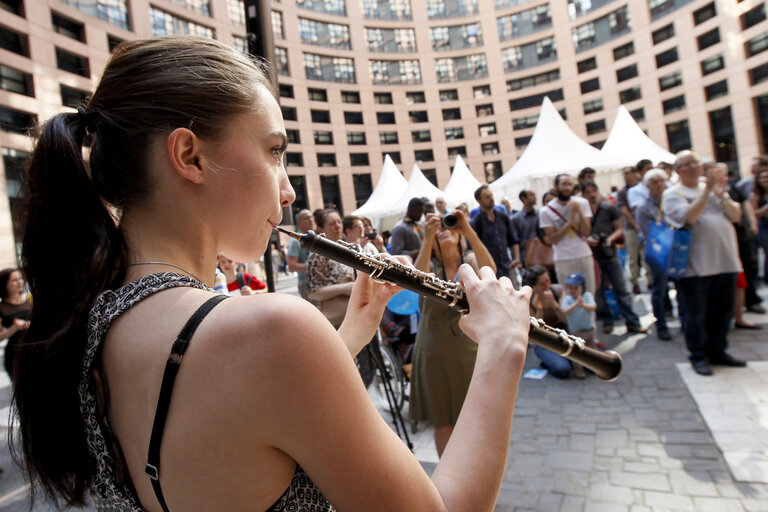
286, 91
294, 159
388, 138
421, 136
67, 27
704, 13
356, 138
629, 95
664, 33
418, 116
329, 187
449, 114
587, 65
623, 51
667, 57
673, 104
350, 97
326, 160
424, 155
363, 188
321, 116
318, 94
712, 64
385, 117
73, 63
357, 159
753, 16
708, 39
382, 98
596, 126
323, 137
16, 121
289, 113
353, 117
590, 85
14, 42
626, 73
71, 97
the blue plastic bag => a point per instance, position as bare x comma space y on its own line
667, 249
613, 304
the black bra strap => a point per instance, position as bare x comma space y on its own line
152, 469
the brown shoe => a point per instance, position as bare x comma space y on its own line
579, 372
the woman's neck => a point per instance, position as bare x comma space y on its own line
15, 298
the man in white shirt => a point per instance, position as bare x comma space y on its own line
566, 221
708, 288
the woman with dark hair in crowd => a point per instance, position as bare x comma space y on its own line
14, 312
257, 404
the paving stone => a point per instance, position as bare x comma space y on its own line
717, 505
652, 482
607, 493
692, 483
549, 501
668, 501
582, 442
591, 506
567, 459
572, 504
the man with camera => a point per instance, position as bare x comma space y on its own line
492, 226
606, 230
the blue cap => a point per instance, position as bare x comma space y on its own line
575, 279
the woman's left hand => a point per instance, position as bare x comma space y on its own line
364, 311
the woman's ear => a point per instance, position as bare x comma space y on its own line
184, 153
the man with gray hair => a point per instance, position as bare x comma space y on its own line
708, 288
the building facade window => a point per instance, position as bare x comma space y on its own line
354, 117
350, 97
586, 65
712, 64
387, 9
484, 110
524, 23
236, 12
335, 7
454, 133
671, 80
577, 8
415, 97
449, 95
454, 69
418, 116
111, 11
667, 57
395, 72
456, 37
638, 114
391, 40
329, 188
289, 113
758, 74
299, 184
592, 106
199, 6
626, 73
752, 17
450, 114
166, 24
673, 104
363, 188
442, 9
326, 159
277, 24
388, 138
356, 138
487, 129
293, 136
385, 117
590, 85
323, 137
757, 44
329, 69
529, 55
424, 155
382, 98
716, 90
71, 97
16, 121
319, 33
421, 136
602, 30
73, 63
708, 39
661, 8
596, 127
629, 95
13, 6
16, 81
394, 155
724, 137
704, 13
67, 27
481, 91
664, 33
281, 61
522, 123
317, 94
320, 116
624, 50
492, 170
533, 80
455, 151
535, 100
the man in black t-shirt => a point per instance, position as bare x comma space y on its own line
606, 230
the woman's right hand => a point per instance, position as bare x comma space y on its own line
431, 226
497, 310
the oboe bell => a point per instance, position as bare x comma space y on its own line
607, 365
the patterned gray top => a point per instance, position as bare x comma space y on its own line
108, 495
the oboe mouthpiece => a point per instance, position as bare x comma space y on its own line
291, 234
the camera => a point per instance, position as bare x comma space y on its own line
449, 221
371, 235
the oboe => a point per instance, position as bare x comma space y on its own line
606, 365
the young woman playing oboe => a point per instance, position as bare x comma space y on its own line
261, 406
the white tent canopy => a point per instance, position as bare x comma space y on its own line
391, 184
629, 144
462, 185
554, 149
418, 186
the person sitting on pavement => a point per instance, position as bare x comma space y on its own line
607, 228
656, 181
545, 304
579, 307
708, 287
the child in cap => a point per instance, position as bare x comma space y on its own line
579, 307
